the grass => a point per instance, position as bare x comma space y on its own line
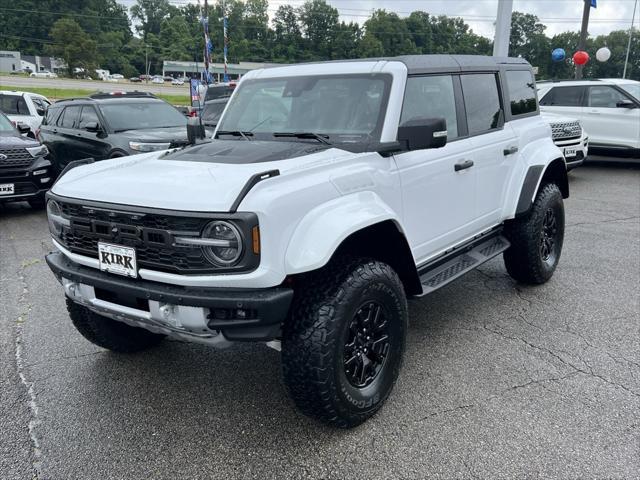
54, 94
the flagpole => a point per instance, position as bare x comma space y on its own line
226, 40
626, 60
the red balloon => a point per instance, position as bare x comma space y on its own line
580, 57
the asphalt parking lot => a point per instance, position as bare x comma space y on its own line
500, 380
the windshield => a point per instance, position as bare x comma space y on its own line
136, 116
342, 108
631, 88
212, 111
5, 125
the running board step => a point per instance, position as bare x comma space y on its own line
467, 260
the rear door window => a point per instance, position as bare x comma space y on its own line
565, 97
482, 102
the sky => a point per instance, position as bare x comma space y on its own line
558, 15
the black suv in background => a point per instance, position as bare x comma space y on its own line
25, 173
109, 125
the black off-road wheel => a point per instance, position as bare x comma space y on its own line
536, 238
110, 334
343, 346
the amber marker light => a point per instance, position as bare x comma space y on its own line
255, 236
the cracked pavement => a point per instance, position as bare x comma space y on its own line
500, 380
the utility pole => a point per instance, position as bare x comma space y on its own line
503, 28
146, 62
626, 60
583, 34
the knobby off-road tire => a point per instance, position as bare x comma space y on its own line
110, 334
333, 307
536, 238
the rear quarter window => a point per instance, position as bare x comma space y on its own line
522, 92
13, 105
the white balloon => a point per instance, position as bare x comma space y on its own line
603, 54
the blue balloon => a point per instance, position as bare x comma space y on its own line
558, 55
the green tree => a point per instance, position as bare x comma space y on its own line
319, 22
150, 14
72, 44
370, 47
287, 40
392, 32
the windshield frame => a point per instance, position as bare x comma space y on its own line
371, 138
114, 129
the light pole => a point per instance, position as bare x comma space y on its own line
626, 60
503, 28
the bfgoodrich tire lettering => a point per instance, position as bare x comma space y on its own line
536, 238
110, 334
320, 327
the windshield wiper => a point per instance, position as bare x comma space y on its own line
315, 136
235, 133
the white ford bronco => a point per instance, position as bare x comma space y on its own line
330, 193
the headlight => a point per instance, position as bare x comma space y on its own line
55, 218
221, 243
148, 147
225, 245
39, 151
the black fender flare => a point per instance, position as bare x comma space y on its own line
555, 171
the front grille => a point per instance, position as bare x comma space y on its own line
566, 130
153, 244
16, 158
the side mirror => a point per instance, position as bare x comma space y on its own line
422, 133
23, 128
195, 131
40, 112
625, 104
92, 127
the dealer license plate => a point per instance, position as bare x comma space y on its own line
7, 189
570, 151
117, 259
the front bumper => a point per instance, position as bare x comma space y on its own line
581, 148
27, 185
205, 315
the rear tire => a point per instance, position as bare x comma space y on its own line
536, 238
110, 334
343, 346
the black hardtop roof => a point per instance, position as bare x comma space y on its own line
417, 64
422, 64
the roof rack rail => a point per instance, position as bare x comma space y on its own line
560, 80
118, 93
71, 98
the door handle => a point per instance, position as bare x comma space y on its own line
463, 165
510, 151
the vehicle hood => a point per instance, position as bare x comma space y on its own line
186, 181
16, 141
159, 135
555, 118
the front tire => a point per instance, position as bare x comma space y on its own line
536, 238
110, 334
343, 346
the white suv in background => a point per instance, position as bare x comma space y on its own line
569, 136
24, 107
609, 109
